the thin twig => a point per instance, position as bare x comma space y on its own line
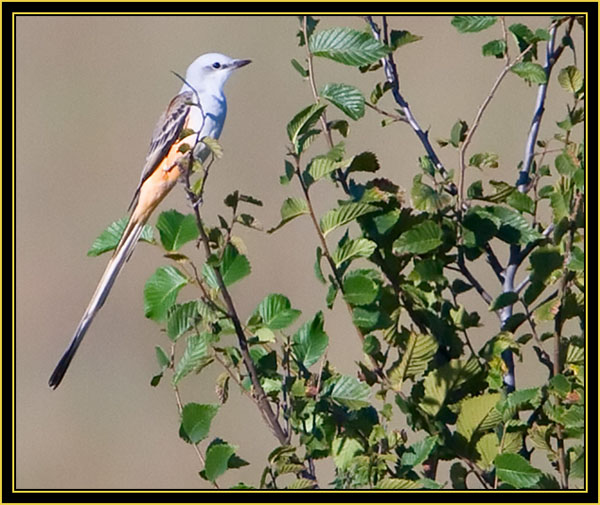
261, 398
475, 124
391, 74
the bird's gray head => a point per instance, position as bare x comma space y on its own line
209, 72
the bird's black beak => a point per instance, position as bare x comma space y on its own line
240, 63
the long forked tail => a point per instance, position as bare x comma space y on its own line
122, 253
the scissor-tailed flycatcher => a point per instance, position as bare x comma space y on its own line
200, 107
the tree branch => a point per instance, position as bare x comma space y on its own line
391, 74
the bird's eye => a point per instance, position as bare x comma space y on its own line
216, 64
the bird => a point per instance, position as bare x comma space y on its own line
198, 110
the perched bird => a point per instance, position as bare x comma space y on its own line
200, 107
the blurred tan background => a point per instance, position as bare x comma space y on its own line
89, 90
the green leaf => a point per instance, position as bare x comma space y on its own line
343, 450
359, 289
181, 318
310, 341
565, 165
234, 266
357, 248
322, 166
302, 122
503, 300
420, 350
441, 381
300, 69
196, 419
516, 471
350, 392
109, 238
276, 312
160, 292
302, 483
347, 46
471, 24
364, 162
514, 228
426, 198
344, 215
217, 459
317, 266
531, 72
348, 99
458, 133
488, 447
195, 357
291, 208
521, 202
399, 38
176, 229
391, 483
419, 451
161, 357
570, 79
478, 414
420, 239
495, 48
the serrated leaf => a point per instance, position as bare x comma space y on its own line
419, 451
565, 165
181, 318
195, 356
299, 68
426, 198
399, 38
472, 24
302, 123
160, 292
364, 162
344, 214
290, 209
503, 300
110, 237
276, 312
420, 239
347, 46
521, 202
487, 447
495, 48
391, 483
439, 382
310, 341
234, 266
176, 229
458, 132
570, 79
420, 350
317, 266
359, 289
473, 414
343, 450
196, 419
302, 483
217, 460
348, 99
350, 392
357, 248
514, 228
516, 471
321, 166
531, 72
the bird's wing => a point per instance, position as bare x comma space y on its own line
166, 132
